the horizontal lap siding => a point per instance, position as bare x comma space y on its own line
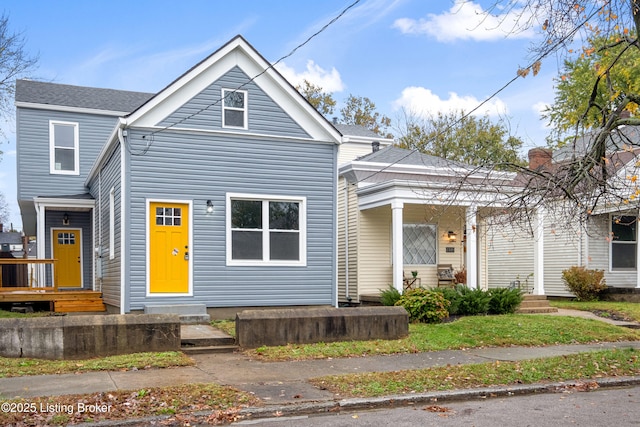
204, 111
510, 253
201, 167
109, 177
32, 127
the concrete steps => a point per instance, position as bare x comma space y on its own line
205, 339
535, 304
189, 313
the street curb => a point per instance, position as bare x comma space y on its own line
355, 404
310, 408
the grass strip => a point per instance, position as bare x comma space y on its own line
589, 365
467, 332
16, 367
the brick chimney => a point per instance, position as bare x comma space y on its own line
1, 227
539, 158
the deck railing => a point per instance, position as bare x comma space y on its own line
26, 273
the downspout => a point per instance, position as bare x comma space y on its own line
346, 240
122, 220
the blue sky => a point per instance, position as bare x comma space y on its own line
423, 56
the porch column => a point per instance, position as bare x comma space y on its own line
538, 252
397, 244
40, 242
472, 247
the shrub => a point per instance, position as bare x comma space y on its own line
504, 300
424, 305
473, 301
390, 296
453, 297
585, 284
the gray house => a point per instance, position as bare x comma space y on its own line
220, 189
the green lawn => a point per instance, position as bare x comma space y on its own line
466, 332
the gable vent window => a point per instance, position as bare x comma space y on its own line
234, 109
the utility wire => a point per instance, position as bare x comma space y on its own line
540, 57
231, 92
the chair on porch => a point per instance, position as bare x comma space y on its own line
445, 275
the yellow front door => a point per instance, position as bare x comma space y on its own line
169, 248
66, 249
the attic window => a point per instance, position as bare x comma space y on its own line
234, 109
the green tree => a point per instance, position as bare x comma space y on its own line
602, 79
463, 138
320, 100
359, 110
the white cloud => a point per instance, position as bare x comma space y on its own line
422, 102
467, 20
329, 81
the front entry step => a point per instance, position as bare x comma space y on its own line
203, 339
189, 313
535, 304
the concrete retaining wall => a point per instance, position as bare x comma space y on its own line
80, 337
255, 328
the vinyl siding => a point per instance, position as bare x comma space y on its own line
374, 250
353, 243
199, 167
204, 111
510, 255
32, 136
561, 251
107, 178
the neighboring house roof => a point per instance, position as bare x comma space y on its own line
356, 130
401, 156
78, 97
11, 238
624, 136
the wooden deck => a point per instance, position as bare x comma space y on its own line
19, 286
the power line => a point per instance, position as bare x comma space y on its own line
231, 92
543, 55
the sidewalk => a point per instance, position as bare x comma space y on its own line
283, 385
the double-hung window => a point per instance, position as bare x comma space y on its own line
266, 230
64, 156
234, 109
420, 244
624, 242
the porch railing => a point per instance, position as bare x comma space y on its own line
26, 273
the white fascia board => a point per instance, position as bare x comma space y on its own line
236, 53
51, 202
367, 140
360, 166
384, 193
67, 109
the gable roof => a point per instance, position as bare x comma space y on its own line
117, 102
237, 52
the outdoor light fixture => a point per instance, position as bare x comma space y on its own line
452, 236
209, 206
65, 219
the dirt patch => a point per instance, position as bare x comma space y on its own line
612, 315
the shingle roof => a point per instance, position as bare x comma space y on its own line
11, 238
356, 130
35, 92
401, 156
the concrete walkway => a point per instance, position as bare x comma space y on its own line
284, 384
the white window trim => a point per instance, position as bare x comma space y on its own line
244, 110
52, 148
436, 253
266, 198
612, 242
112, 223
